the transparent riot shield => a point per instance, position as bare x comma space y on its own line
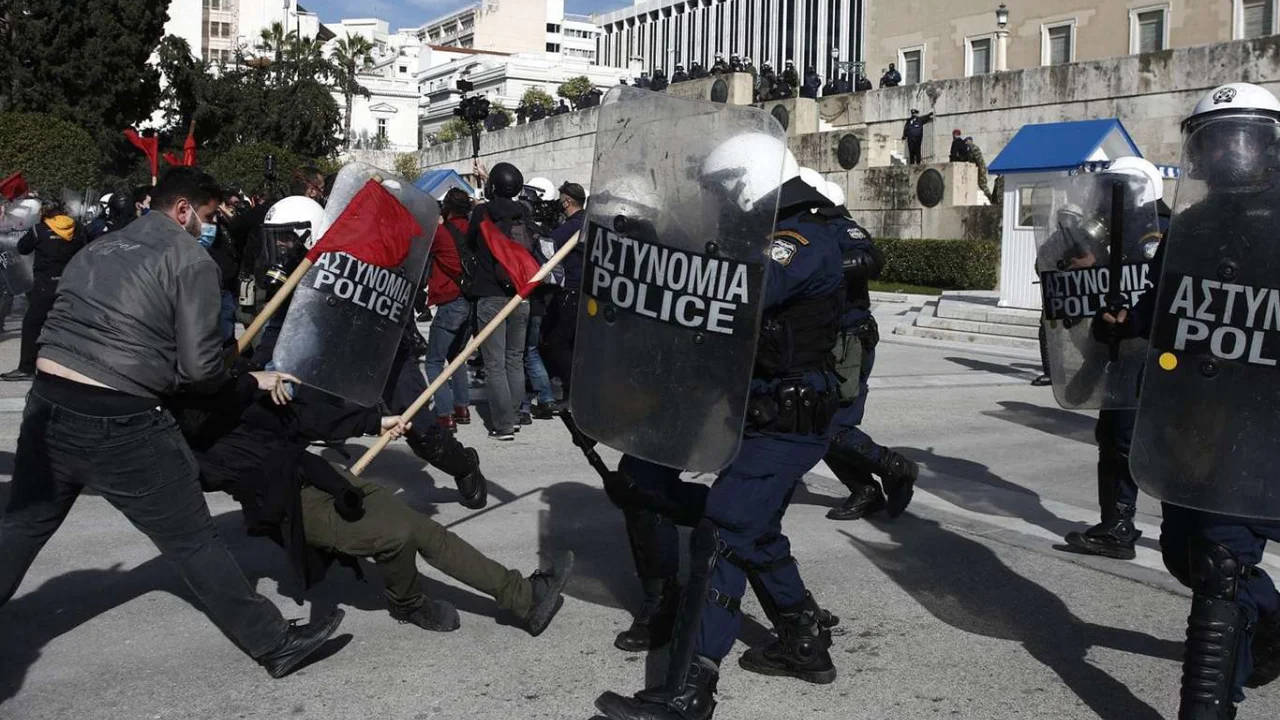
15, 268
346, 317
673, 273
81, 205
1095, 246
1208, 429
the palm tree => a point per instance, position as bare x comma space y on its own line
352, 54
275, 40
306, 60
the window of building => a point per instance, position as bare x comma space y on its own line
213, 4
911, 65
1254, 18
979, 58
404, 69
1148, 29
1058, 44
468, 24
553, 28
382, 128
553, 47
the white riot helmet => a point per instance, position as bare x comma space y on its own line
834, 193
20, 216
1232, 137
812, 178
545, 189
1145, 172
290, 229
629, 197
749, 168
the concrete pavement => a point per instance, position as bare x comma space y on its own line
962, 608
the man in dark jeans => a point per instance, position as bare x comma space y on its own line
54, 241
136, 316
452, 310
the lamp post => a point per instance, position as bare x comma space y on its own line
1002, 38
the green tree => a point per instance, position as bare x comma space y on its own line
185, 76
575, 89
52, 153
497, 105
243, 166
407, 166
453, 129
84, 62
352, 55
537, 96
275, 41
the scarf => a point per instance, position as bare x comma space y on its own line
62, 226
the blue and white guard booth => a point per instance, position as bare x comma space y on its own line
438, 182
1035, 157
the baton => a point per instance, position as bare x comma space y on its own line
1115, 299
585, 444
467, 352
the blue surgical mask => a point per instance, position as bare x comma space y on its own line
208, 233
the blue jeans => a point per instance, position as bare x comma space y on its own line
449, 319
533, 366
227, 322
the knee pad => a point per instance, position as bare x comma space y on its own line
1214, 570
1215, 628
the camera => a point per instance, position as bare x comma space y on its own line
473, 109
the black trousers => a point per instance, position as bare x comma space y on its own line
40, 302
141, 465
913, 149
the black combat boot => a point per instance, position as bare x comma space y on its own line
1266, 651
299, 642
1114, 537
651, 628
899, 477
1216, 626
800, 650
433, 615
693, 700
864, 500
443, 451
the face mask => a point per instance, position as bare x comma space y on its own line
194, 225
208, 233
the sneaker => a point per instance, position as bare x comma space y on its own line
546, 411
433, 615
503, 436
446, 423
524, 419
18, 375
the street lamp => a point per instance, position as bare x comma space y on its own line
1002, 38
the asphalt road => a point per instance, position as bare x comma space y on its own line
962, 608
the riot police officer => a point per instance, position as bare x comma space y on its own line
1206, 423
720, 67
679, 75
739, 534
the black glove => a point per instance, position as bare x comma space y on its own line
349, 504
1105, 332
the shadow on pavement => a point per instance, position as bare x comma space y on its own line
1018, 369
1052, 420
962, 583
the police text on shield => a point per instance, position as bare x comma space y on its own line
378, 289
672, 286
1075, 294
1231, 321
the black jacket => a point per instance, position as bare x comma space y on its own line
256, 451
138, 311
52, 253
959, 150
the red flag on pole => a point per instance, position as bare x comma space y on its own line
172, 159
14, 186
511, 255
150, 146
189, 147
374, 228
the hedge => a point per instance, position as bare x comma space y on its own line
943, 264
243, 166
51, 153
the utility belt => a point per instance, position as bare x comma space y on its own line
792, 407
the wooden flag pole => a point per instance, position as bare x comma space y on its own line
273, 305
461, 359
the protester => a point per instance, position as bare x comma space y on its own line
54, 241
453, 310
135, 317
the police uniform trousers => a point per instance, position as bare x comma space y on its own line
1183, 531
853, 454
744, 508
1114, 433
394, 534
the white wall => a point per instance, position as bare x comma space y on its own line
185, 21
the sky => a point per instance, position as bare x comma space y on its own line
412, 13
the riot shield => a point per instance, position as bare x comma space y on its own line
673, 274
1098, 227
81, 205
347, 316
1208, 428
15, 268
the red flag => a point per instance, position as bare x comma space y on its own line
14, 186
189, 147
373, 228
512, 256
150, 146
172, 159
